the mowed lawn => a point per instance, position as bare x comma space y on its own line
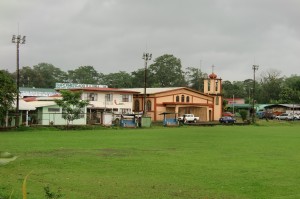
185, 162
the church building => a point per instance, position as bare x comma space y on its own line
207, 105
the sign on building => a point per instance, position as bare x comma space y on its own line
74, 85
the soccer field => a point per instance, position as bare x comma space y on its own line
184, 162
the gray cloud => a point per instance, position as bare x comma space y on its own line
112, 35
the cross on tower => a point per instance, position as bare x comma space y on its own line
212, 68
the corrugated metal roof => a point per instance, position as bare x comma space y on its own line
152, 90
24, 106
32, 105
37, 89
102, 90
42, 103
285, 105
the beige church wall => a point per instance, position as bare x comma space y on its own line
193, 98
160, 109
218, 109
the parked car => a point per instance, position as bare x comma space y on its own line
227, 119
228, 114
265, 115
284, 116
295, 116
188, 118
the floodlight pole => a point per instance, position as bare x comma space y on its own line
146, 57
255, 68
18, 40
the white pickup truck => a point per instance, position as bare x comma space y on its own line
188, 118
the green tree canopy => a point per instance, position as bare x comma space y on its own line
271, 86
72, 105
85, 75
121, 79
48, 75
28, 77
166, 71
195, 78
138, 79
8, 92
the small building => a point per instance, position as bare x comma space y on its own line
47, 112
277, 109
235, 100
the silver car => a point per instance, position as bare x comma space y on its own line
284, 116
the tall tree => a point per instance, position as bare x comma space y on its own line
118, 80
46, 75
291, 90
138, 79
293, 82
85, 75
8, 92
271, 85
288, 96
195, 78
72, 105
166, 71
42, 75
27, 77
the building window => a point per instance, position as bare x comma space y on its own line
217, 100
216, 85
82, 113
208, 85
182, 98
66, 114
108, 97
177, 98
92, 96
149, 108
125, 110
187, 98
136, 105
53, 109
126, 98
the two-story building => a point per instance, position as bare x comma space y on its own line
103, 101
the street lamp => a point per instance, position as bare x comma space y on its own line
255, 68
146, 57
18, 40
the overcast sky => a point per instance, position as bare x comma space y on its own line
111, 35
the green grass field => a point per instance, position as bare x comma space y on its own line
185, 162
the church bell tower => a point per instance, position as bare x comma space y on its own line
213, 87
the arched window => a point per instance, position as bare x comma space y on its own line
182, 98
149, 105
136, 105
177, 98
187, 98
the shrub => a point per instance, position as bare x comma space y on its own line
244, 114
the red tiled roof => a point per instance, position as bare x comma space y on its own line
29, 99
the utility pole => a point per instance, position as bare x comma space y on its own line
233, 105
146, 57
18, 40
255, 68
